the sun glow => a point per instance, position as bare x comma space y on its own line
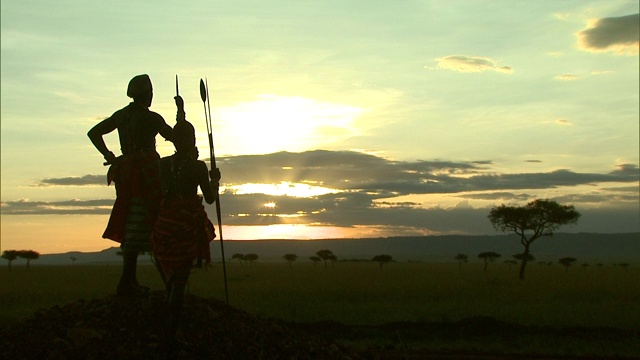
286, 231
270, 205
274, 123
285, 188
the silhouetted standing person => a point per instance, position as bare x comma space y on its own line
136, 177
182, 231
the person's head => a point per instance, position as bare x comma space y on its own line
184, 137
141, 90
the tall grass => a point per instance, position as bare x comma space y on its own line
362, 293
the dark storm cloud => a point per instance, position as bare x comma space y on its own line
630, 170
366, 186
548, 180
338, 169
87, 180
358, 172
620, 34
26, 207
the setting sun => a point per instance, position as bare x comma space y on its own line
273, 123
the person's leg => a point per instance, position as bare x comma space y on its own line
135, 277
127, 278
163, 275
176, 298
137, 239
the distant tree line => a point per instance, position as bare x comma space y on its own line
491, 256
536, 219
11, 255
250, 258
325, 255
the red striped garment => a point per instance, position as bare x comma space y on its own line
181, 234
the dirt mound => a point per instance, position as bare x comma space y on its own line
125, 328
133, 328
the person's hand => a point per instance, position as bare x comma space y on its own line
179, 103
215, 175
110, 158
180, 115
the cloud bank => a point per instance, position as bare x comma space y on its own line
373, 191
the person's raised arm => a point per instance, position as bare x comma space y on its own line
165, 130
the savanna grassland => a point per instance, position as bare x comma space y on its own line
596, 299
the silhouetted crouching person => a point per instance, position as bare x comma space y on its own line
136, 177
182, 231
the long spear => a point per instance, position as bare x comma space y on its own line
204, 95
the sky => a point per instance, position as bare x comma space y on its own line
331, 119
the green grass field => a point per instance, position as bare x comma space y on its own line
362, 293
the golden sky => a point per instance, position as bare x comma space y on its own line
347, 118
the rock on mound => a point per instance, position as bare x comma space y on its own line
125, 328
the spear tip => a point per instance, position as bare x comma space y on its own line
203, 91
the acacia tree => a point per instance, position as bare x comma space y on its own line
315, 259
510, 262
326, 255
382, 259
251, 258
28, 255
488, 256
461, 258
290, 258
529, 256
239, 257
566, 262
536, 219
10, 255
333, 259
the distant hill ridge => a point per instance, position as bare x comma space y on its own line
583, 246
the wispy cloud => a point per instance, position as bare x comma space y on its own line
463, 63
499, 195
573, 77
562, 122
618, 34
567, 77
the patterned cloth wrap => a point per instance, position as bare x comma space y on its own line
138, 197
182, 233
